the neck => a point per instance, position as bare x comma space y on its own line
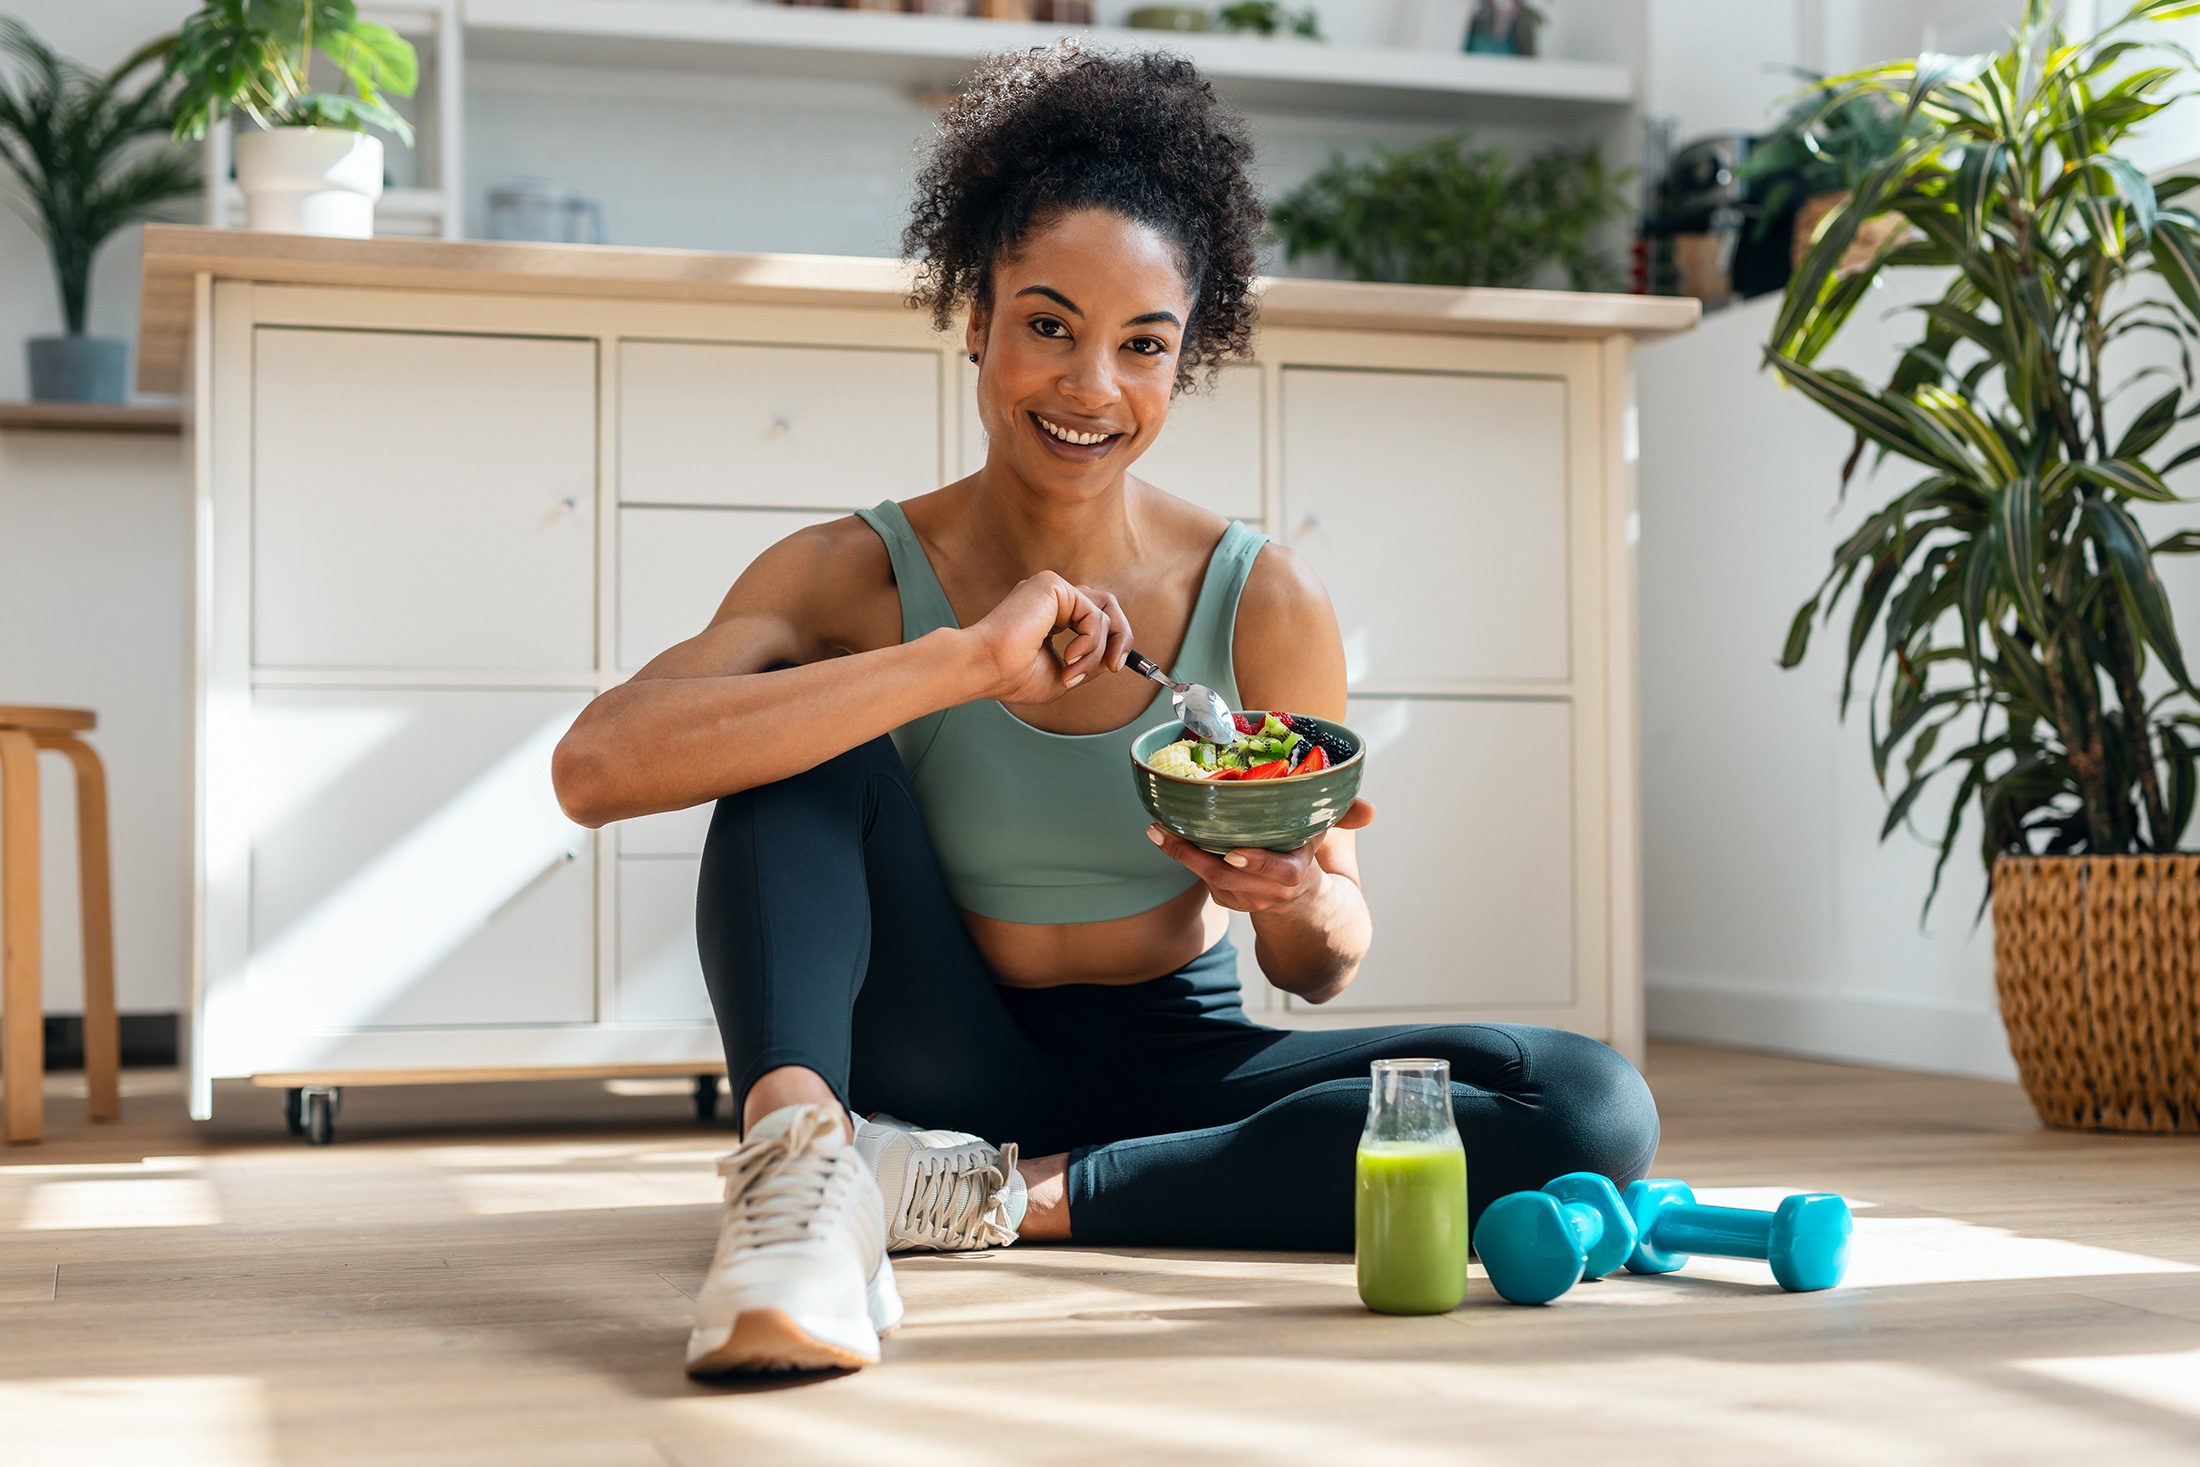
1022, 531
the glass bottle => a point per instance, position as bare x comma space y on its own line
1410, 1206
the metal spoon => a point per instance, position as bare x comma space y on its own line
1199, 708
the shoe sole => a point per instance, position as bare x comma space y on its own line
763, 1341
768, 1340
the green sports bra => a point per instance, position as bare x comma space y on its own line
1040, 827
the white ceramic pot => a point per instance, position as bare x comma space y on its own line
310, 180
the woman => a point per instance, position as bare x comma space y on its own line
929, 888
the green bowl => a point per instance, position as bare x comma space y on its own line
1259, 814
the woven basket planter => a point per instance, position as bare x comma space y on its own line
2098, 963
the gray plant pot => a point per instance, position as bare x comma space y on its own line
79, 369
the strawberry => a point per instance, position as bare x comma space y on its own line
1273, 770
1246, 723
1314, 762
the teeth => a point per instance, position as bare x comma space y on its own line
1071, 436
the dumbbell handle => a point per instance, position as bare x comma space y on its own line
1715, 1232
1584, 1222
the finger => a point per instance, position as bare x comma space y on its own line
1086, 652
1287, 868
1360, 814
1204, 864
1119, 628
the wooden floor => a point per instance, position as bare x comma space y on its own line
502, 1275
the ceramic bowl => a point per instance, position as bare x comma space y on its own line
1259, 814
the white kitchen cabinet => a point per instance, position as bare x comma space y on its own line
410, 865
1442, 536
676, 565
422, 500
443, 500
1469, 866
660, 976
722, 423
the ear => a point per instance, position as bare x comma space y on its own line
974, 330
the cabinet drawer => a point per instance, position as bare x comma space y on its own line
704, 423
410, 865
1434, 507
1469, 866
676, 565
423, 501
660, 976
1209, 452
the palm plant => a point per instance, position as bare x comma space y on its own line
2025, 644
257, 56
72, 139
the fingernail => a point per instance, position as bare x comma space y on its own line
1235, 859
1153, 833
1073, 682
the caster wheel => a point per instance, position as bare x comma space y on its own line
294, 1110
706, 1097
318, 1105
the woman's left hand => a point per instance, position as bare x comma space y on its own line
1251, 880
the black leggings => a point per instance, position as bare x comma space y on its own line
829, 941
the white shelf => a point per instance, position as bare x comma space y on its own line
933, 52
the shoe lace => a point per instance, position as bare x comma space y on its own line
955, 1205
779, 1188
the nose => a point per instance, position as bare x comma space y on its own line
1088, 379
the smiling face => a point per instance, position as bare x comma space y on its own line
1078, 352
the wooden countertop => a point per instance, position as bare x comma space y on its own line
176, 254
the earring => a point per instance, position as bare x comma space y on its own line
973, 357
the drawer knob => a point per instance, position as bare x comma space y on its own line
780, 426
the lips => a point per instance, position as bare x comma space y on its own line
1076, 438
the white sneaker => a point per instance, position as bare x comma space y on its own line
945, 1190
800, 1280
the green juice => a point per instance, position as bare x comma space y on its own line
1411, 1214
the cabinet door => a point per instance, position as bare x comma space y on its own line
423, 501
1209, 451
1469, 865
660, 976
410, 865
1433, 505
711, 423
676, 565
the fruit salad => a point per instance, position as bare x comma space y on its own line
1268, 746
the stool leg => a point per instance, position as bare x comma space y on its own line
102, 1041
22, 1014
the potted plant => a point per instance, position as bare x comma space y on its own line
2021, 641
75, 143
1812, 160
310, 169
1445, 214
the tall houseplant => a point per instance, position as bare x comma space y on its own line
1447, 214
2019, 635
78, 145
311, 168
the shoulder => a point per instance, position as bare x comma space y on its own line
831, 585
1282, 589
834, 555
1287, 650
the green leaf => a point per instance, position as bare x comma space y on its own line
2125, 550
2128, 476
2016, 536
2178, 263
2155, 419
1934, 70
1848, 399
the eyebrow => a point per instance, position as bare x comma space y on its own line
1151, 318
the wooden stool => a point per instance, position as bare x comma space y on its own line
23, 732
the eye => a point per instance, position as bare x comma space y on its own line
1147, 346
1048, 326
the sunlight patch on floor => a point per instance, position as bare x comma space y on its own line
495, 1194
650, 1153
158, 1202
2168, 1382
175, 1421
1890, 1251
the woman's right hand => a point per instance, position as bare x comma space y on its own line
1017, 638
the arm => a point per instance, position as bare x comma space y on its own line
705, 719
1310, 922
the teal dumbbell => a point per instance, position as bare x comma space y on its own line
1805, 1239
1537, 1245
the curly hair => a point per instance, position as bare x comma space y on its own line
1056, 129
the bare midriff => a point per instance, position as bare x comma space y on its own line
1130, 949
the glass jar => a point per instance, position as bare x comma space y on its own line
1410, 1207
